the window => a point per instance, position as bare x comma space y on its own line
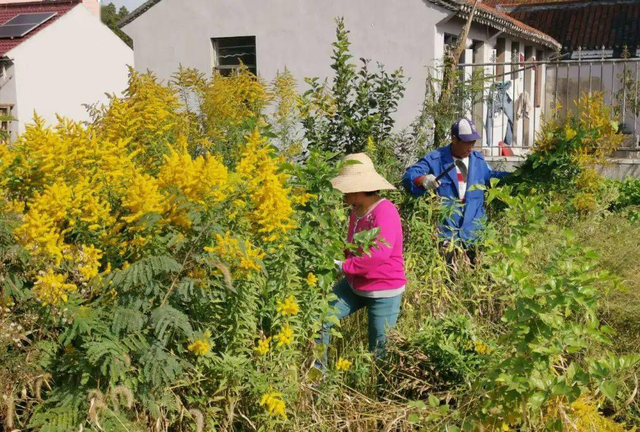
5, 122
450, 40
450, 44
230, 52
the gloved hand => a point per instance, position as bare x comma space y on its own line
429, 182
339, 265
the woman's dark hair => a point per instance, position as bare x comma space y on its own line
372, 193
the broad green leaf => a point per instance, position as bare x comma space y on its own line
609, 388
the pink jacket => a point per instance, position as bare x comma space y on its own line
383, 269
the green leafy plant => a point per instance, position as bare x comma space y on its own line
357, 107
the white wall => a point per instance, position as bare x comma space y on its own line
293, 33
74, 61
8, 93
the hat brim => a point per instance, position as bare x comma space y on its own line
471, 137
359, 183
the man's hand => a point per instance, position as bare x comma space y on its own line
429, 182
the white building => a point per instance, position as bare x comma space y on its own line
56, 56
271, 34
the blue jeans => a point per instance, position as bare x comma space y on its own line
383, 314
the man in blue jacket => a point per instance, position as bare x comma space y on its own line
456, 187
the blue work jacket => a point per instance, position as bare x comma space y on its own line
465, 223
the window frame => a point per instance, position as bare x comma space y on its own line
226, 70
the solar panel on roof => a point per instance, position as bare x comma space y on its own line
24, 23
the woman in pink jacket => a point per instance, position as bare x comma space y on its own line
376, 280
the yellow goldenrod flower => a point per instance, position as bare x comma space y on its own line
51, 289
274, 404
268, 192
199, 179
142, 197
570, 133
312, 280
89, 261
289, 306
41, 232
245, 259
200, 346
285, 337
343, 364
481, 348
263, 346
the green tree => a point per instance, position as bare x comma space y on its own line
356, 107
111, 17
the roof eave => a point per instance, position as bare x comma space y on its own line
137, 12
482, 16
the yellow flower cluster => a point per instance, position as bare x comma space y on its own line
246, 258
288, 307
200, 346
343, 364
263, 346
148, 112
199, 179
89, 262
229, 101
267, 187
143, 197
285, 337
586, 417
41, 232
84, 193
482, 348
274, 404
312, 280
301, 198
51, 288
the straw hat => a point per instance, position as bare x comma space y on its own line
359, 176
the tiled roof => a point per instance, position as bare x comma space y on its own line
11, 10
497, 19
586, 24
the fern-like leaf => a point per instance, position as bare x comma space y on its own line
112, 356
166, 320
143, 272
160, 367
127, 320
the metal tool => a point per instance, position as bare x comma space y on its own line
444, 173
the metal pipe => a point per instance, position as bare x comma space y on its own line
624, 94
536, 78
555, 90
533, 63
567, 101
602, 73
492, 114
613, 85
636, 109
579, 73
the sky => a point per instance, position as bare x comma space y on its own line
130, 4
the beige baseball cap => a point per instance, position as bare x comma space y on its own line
360, 176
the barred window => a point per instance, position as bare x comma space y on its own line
230, 52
